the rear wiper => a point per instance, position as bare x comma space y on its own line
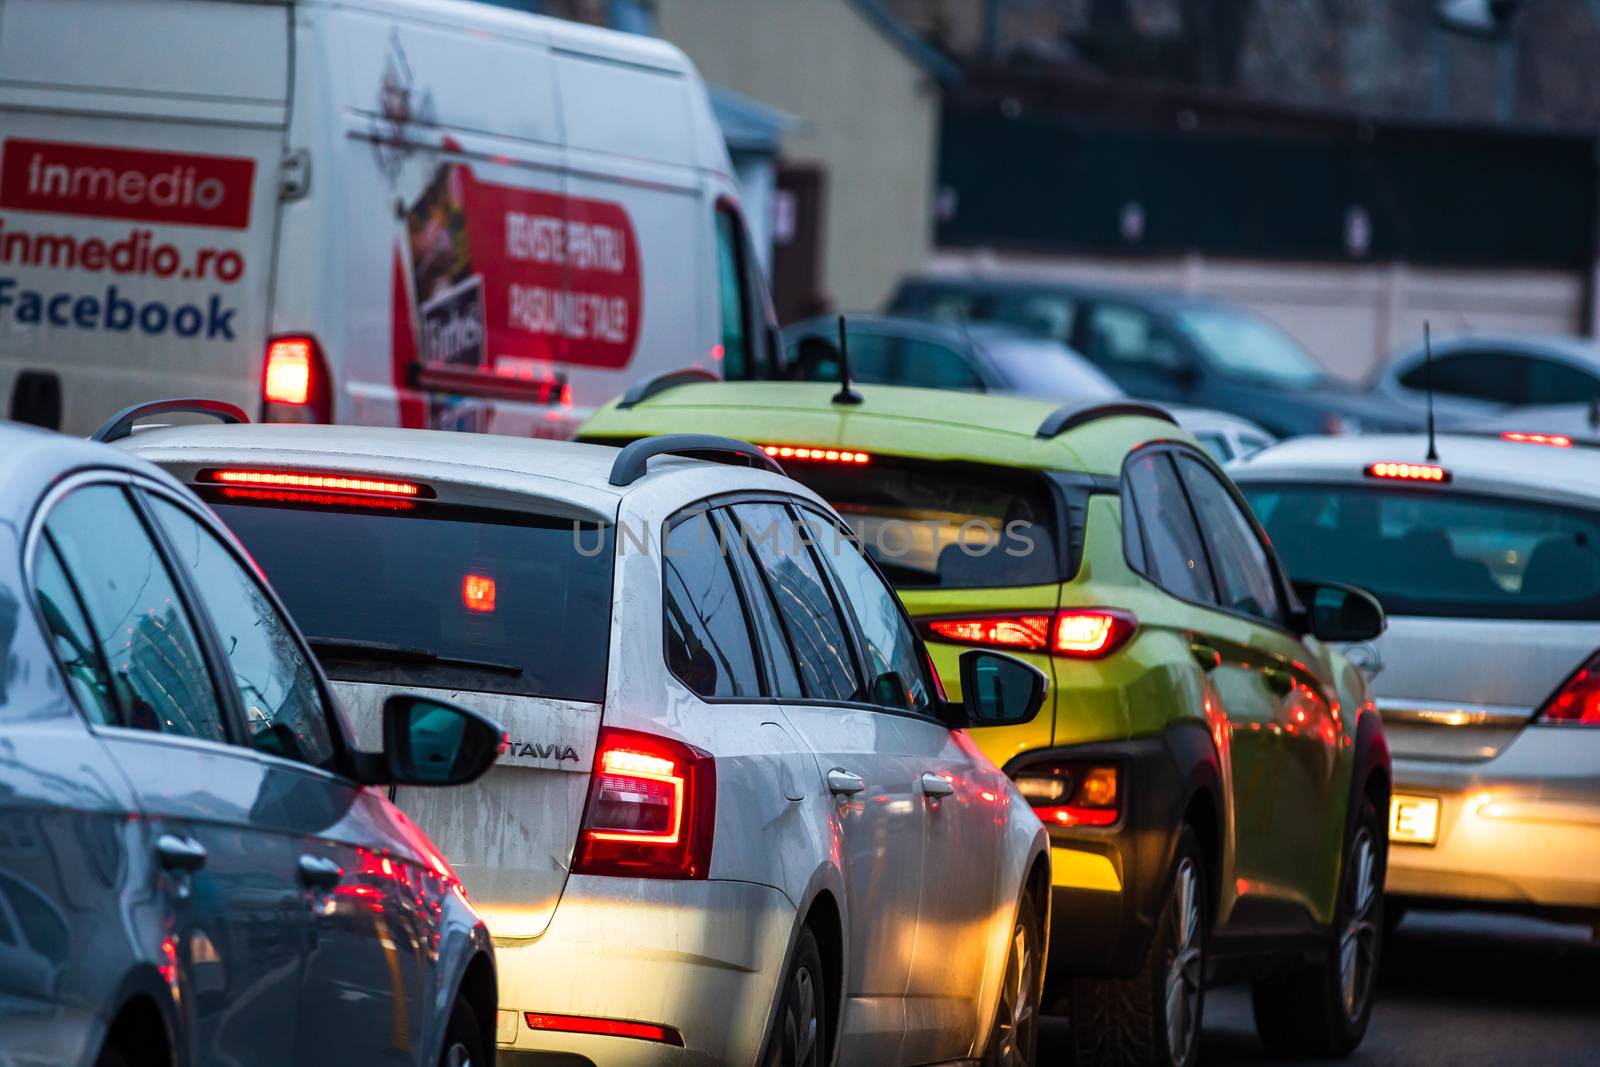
348, 648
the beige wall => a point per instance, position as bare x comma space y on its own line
871, 119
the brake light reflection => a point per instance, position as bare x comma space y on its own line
477, 593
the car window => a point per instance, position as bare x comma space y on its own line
1553, 382
1498, 377
284, 712
1047, 314
809, 616
1047, 369
734, 298
1216, 445
73, 640
1250, 347
934, 366
708, 638
1129, 337
1243, 568
1174, 558
138, 618
813, 357
783, 677
894, 657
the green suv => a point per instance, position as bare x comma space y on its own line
1212, 774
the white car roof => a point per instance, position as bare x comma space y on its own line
1483, 464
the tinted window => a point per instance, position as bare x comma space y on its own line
1127, 336
947, 525
1552, 382
1441, 554
784, 679
138, 618
734, 299
1048, 314
708, 640
883, 359
934, 366
809, 616
1046, 369
1497, 377
461, 598
894, 657
1174, 558
283, 708
1248, 347
1243, 569
74, 642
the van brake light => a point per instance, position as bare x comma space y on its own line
294, 382
651, 810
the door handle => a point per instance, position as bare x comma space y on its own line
936, 785
1208, 658
843, 783
180, 853
320, 873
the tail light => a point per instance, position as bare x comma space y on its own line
651, 811
1577, 702
1551, 440
1073, 792
1079, 633
1409, 472
294, 382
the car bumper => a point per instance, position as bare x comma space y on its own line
701, 957
1521, 829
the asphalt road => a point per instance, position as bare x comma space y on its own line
1455, 990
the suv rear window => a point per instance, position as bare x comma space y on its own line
1424, 552
441, 596
946, 526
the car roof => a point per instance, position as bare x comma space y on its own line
36, 459
954, 335
933, 424
1025, 283
1210, 420
1568, 349
1479, 463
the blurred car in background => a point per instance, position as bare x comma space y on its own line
1575, 422
1478, 375
1213, 777
890, 350
1226, 437
194, 866
1168, 347
737, 822
1488, 563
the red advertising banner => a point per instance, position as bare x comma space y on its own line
121, 183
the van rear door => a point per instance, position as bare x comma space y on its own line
138, 197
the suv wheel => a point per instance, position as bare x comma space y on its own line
463, 1041
798, 1033
1016, 1025
1323, 1010
1154, 1017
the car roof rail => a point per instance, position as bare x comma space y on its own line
1071, 416
121, 424
632, 460
645, 388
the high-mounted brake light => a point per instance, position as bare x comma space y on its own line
1078, 633
822, 455
1577, 702
316, 483
1073, 793
589, 1024
1553, 440
651, 809
294, 382
1409, 472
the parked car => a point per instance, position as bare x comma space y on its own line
1169, 348
509, 219
1212, 776
196, 864
889, 350
1487, 560
1477, 376
1575, 422
1226, 437
737, 822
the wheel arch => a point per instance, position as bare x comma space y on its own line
481, 989
142, 1027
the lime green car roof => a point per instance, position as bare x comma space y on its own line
932, 424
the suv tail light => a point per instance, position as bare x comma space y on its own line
1577, 702
294, 382
1079, 633
651, 811
1073, 792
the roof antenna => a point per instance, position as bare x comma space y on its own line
845, 395
1427, 357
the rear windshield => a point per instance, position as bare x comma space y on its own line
945, 526
1425, 552
441, 596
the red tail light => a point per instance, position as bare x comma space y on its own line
1080, 633
1073, 793
1554, 440
589, 1024
294, 382
1409, 472
651, 811
1577, 702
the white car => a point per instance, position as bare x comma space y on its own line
736, 821
1487, 560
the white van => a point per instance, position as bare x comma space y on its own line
393, 212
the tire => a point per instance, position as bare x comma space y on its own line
110, 1057
1153, 1019
1015, 1033
800, 1030
463, 1041
1323, 1010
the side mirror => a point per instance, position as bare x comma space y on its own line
431, 742
1000, 690
1340, 613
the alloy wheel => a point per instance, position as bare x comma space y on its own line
1018, 1012
1358, 944
1185, 968
457, 1055
800, 1026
